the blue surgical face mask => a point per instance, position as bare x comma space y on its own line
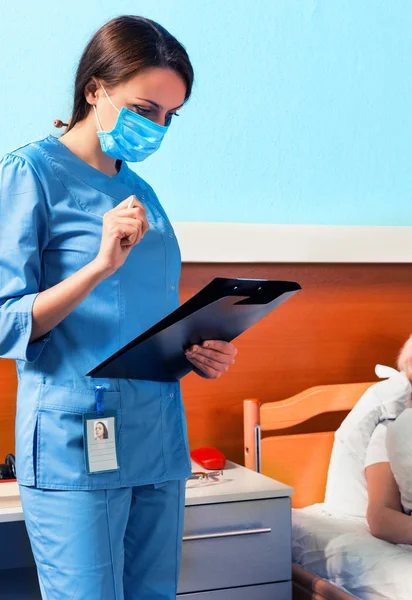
133, 138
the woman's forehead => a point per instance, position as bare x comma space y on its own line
162, 86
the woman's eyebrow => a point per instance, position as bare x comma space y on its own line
158, 105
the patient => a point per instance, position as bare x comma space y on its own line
388, 459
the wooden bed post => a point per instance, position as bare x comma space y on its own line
251, 433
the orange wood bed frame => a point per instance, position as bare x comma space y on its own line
300, 460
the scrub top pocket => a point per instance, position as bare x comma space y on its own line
60, 434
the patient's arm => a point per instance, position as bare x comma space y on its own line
385, 517
405, 359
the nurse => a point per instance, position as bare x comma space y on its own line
88, 261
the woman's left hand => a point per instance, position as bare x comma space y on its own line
212, 357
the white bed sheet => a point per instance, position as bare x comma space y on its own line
343, 551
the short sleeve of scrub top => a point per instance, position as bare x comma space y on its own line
23, 218
51, 215
376, 450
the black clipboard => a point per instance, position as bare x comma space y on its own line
222, 310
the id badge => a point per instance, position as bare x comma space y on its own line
100, 438
100, 443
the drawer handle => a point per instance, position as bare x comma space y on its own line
209, 536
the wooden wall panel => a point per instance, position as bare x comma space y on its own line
8, 386
345, 320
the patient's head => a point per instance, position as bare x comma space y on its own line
405, 359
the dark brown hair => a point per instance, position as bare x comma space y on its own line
121, 48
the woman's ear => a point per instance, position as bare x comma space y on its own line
91, 91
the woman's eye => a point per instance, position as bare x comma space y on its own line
141, 110
147, 112
169, 117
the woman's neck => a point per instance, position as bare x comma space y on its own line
83, 141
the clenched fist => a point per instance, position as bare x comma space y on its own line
123, 228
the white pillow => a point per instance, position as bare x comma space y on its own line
346, 490
399, 447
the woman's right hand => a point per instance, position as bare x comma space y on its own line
123, 228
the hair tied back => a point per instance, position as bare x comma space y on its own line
59, 124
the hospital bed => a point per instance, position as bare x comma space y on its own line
333, 558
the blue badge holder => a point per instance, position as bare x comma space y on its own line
100, 414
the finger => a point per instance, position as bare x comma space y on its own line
123, 230
213, 355
126, 243
131, 240
134, 238
209, 362
137, 212
220, 346
134, 213
136, 223
209, 371
146, 225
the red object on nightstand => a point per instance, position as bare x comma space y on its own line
209, 458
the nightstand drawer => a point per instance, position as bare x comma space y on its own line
271, 591
236, 544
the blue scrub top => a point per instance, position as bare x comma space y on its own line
51, 210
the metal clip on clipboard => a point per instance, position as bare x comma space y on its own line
222, 310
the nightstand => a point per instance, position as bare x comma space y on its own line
237, 541
237, 538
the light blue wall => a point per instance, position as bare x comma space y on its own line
301, 111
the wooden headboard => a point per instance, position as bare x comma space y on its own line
347, 318
300, 460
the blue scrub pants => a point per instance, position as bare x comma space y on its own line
122, 544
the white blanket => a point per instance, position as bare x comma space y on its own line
343, 551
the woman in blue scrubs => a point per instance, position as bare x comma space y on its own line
88, 261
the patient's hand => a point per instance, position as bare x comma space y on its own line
405, 359
385, 516
212, 358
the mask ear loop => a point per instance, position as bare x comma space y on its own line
95, 109
108, 97
97, 118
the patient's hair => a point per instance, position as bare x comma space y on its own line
119, 50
